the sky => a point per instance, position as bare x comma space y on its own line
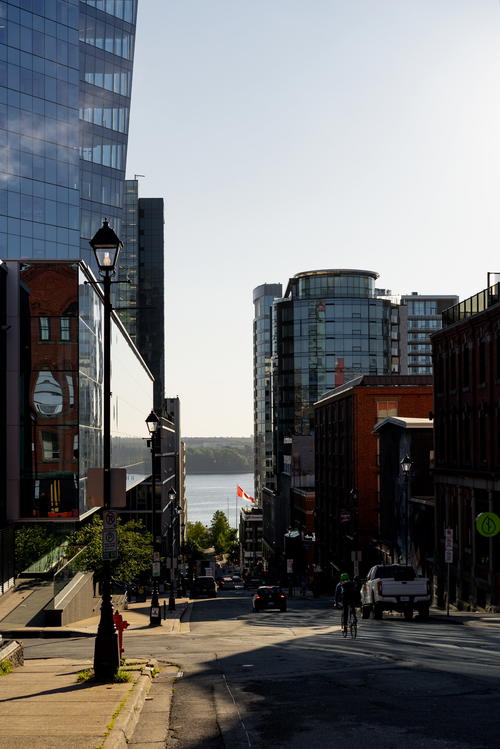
293, 135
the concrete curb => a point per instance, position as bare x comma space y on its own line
45, 632
125, 723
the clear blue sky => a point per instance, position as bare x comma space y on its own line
289, 135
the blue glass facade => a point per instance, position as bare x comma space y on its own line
329, 328
65, 82
263, 298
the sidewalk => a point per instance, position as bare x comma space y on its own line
42, 705
137, 615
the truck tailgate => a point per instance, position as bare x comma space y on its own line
397, 588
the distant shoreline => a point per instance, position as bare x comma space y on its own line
218, 472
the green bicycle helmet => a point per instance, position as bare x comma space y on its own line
344, 577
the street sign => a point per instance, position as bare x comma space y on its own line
156, 556
488, 524
448, 545
156, 569
109, 519
110, 544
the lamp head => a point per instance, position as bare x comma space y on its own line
106, 246
153, 423
406, 464
172, 494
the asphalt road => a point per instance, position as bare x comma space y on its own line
289, 680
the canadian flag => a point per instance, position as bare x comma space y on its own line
244, 495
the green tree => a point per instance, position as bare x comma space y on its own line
221, 533
198, 535
32, 543
135, 549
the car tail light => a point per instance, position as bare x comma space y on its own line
281, 595
379, 587
257, 598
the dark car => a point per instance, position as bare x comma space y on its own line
226, 583
204, 585
269, 597
253, 582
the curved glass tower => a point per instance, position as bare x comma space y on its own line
329, 327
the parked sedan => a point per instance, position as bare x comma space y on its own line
269, 597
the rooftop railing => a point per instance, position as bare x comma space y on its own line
472, 306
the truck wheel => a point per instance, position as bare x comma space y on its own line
365, 612
377, 611
423, 612
408, 613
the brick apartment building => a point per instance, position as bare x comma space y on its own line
466, 360
347, 488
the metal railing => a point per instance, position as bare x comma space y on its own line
47, 563
472, 306
64, 575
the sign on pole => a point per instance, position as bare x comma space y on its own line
448, 545
109, 519
488, 524
110, 544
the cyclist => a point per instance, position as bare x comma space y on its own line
347, 595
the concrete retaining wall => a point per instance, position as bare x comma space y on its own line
76, 601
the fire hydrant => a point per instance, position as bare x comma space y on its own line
120, 625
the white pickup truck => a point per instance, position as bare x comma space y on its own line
395, 587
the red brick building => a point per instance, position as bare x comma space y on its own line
347, 488
466, 360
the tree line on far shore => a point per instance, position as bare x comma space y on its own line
217, 455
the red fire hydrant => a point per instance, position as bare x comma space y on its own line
120, 625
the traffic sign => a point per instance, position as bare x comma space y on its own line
110, 544
488, 524
448, 545
109, 519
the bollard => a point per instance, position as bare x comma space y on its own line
164, 609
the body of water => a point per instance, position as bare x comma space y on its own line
207, 493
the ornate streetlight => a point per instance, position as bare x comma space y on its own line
174, 514
106, 246
406, 465
153, 424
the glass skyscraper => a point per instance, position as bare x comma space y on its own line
65, 85
140, 303
263, 298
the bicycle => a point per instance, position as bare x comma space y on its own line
351, 626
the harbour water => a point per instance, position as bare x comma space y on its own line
207, 493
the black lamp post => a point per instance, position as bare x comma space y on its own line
406, 465
153, 424
174, 515
106, 246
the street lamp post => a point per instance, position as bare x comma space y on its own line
106, 246
406, 465
175, 511
153, 424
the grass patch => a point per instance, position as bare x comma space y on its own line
5, 667
85, 675
121, 676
